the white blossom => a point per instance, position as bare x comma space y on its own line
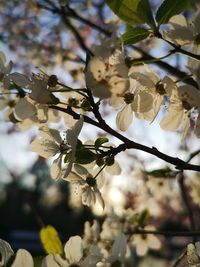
193, 254
108, 77
51, 144
88, 184
144, 242
74, 256
5, 251
183, 32
182, 100
149, 94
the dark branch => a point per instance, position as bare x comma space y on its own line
128, 144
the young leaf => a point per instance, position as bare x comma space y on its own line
159, 172
126, 10
134, 35
170, 8
84, 156
100, 141
50, 240
145, 13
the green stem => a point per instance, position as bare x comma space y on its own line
184, 78
99, 171
137, 62
69, 89
178, 49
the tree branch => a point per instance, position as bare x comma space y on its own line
128, 144
186, 201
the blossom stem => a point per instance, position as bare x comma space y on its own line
69, 89
176, 263
184, 78
178, 49
127, 143
136, 62
99, 171
183, 189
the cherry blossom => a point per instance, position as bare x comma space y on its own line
50, 144
182, 100
144, 242
89, 185
107, 77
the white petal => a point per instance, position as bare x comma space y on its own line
52, 134
115, 169
172, 120
180, 32
99, 198
72, 134
20, 79
153, 242
80, 169
42, 113
88, 196
23, 259
102, 90
44, 147
100, 180
143, 79
24, 109
97, 67
141, 249
5, 251
74, 249
124, 118
74, 178
146, 101
50, 261
55, 170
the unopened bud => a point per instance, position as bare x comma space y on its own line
52, 81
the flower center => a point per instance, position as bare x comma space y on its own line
186, 105
11, 103
91, 181
160, 88
64, 146
128, 98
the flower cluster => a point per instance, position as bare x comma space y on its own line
112, 80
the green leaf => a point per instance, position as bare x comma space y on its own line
67, 157
142, 217
126, 10
170, 8
133, 11
159, 172
109, 160
100, 141
84, 156
134, 35
145, 13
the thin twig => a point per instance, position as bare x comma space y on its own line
180, 258
165, 233
128, 144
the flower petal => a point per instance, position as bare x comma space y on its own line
23, 259
55, 170
5, 251
74, 249
124, 118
